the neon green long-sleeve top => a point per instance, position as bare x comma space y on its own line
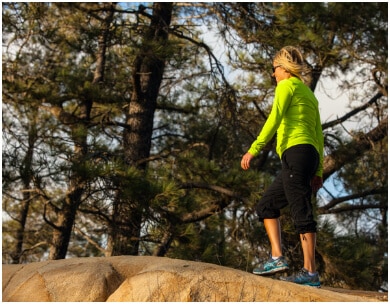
296, 119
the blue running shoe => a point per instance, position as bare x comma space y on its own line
272, 266
304, 278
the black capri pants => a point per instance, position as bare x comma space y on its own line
292, 187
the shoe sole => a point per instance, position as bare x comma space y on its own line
275, 270
303, 284
316, 286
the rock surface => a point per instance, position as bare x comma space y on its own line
139, 279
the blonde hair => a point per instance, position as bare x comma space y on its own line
291, 59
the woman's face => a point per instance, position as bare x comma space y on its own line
279, 72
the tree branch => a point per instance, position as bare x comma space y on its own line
351, 207
33, 247
219, 189
91, 241
354, 149
334, 202
353, 112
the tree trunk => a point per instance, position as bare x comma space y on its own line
64, 224
146, 78
26, 175
67, 215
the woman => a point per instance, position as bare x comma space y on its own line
295, 117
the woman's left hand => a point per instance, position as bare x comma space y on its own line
316, 183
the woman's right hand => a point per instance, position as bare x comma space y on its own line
245, 161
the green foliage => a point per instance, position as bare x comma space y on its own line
352, 261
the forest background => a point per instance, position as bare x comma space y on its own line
123, 132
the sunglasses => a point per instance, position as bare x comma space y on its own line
275, 67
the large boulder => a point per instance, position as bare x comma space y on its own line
138, 279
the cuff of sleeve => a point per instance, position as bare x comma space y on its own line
253, 152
